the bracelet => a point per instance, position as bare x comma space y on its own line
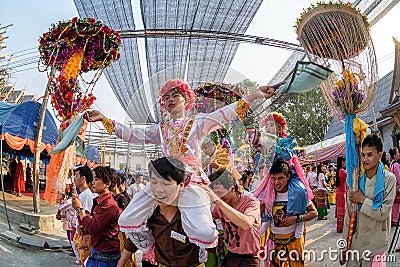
242, 109
299, 218
108, 125
78, 210
246, 98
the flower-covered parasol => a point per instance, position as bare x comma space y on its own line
71, 48
212, 95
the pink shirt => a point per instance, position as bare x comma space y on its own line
238, 240
395, 169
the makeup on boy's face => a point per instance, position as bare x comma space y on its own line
270, 127
173, 98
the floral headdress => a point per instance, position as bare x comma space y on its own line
182, 87
279, 119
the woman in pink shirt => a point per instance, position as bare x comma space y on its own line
341, 176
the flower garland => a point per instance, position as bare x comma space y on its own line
71, 48
223, 93
346, 90
338, 4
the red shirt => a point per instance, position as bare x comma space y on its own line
102, 224
342, 181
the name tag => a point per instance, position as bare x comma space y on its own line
177, 236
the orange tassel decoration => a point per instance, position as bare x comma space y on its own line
352, 228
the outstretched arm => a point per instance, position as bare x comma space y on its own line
148, 135
215, 120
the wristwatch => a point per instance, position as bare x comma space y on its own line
299, 218
78, 210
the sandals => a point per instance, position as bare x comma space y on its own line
323, 218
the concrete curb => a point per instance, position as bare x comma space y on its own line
18, 241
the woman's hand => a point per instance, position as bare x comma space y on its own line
94, 115
262, 92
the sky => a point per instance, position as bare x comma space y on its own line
274, 19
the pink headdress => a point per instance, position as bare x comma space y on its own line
182, 87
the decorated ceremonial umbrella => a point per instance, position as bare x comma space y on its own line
68, 50
71, 48
336, 35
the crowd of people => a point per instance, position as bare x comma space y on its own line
17, 175
199, 210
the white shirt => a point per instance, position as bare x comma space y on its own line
280, 204
203, 124
135, 188
321, 178
279, 212
86, 197
312, 179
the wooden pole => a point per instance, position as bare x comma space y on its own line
38, 140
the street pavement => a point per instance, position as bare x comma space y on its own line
321, 235
29, 250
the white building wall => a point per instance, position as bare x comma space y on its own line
136, 162
386, 132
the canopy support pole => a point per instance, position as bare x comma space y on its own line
38, 141
2, 182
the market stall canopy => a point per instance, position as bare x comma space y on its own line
326, 150
18, 125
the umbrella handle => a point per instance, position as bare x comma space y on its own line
276, 86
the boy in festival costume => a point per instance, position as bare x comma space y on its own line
275, 145
274, 126
377, 190
180, 137
286, 216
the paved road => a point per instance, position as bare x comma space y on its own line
322, 235
11, 256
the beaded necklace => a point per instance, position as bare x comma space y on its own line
175, 144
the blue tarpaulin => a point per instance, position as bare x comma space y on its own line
93, 154
21, 120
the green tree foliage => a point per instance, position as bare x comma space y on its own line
239, 130
250, 85
308, 117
